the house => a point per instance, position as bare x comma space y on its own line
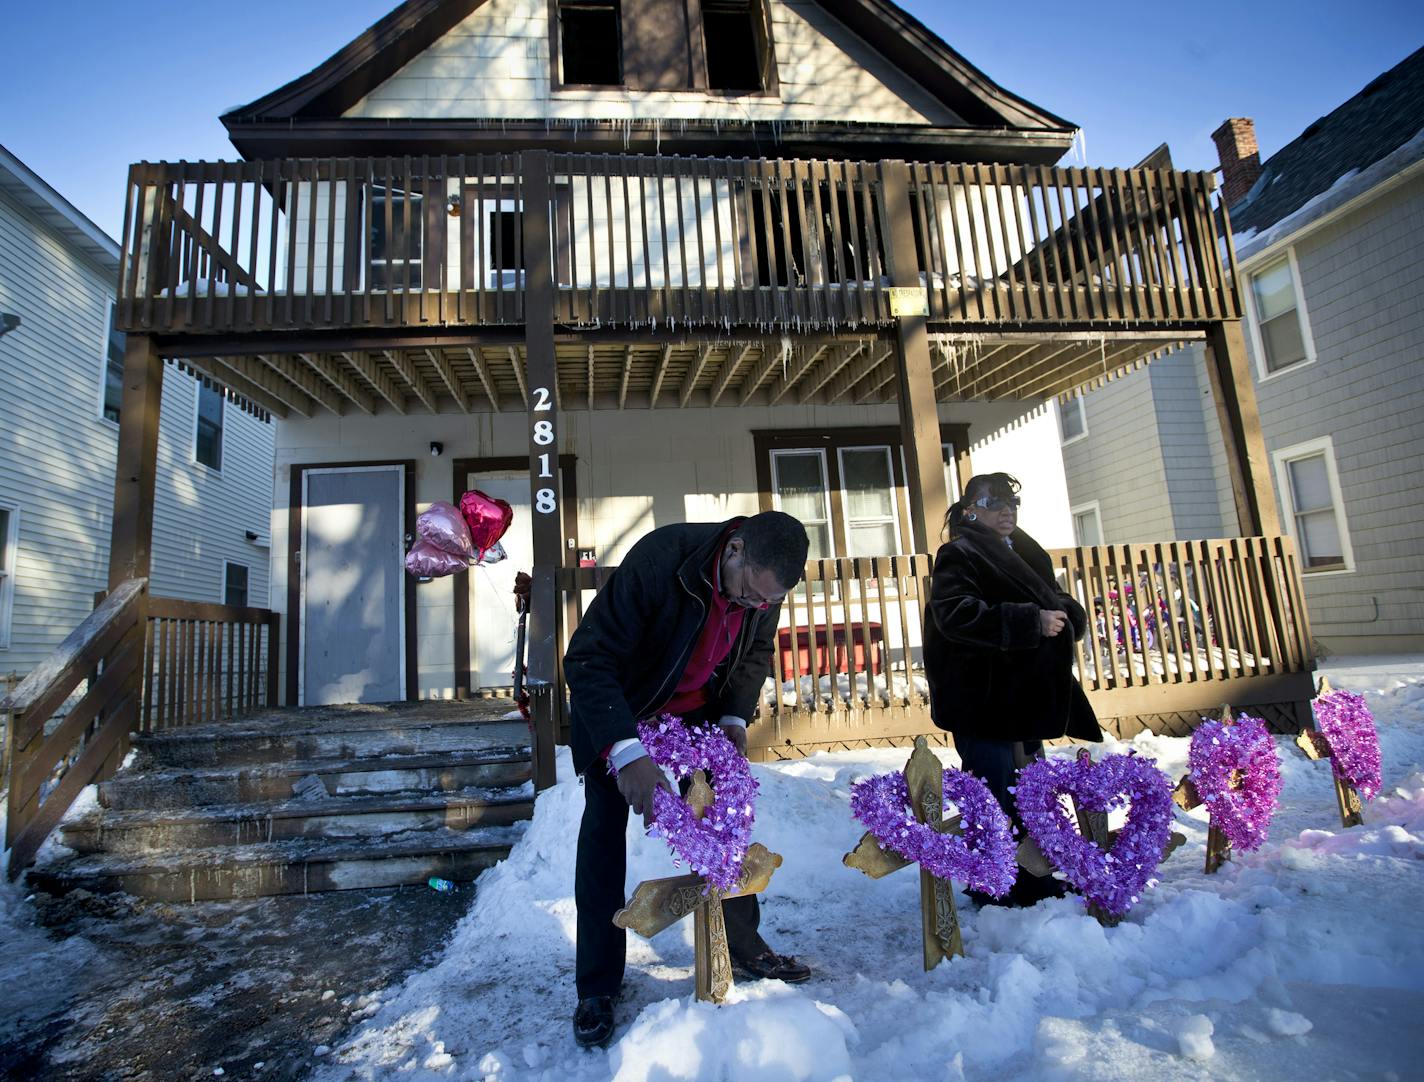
60, 366
630, 263
1328, 239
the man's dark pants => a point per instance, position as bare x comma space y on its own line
598, 891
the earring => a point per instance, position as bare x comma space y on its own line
971, 518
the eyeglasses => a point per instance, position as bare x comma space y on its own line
748, 598
996, 503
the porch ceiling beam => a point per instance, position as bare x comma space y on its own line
218, 369
773, 355
368, 370
1185, 333
301, 378
589, 370
797, 372
982, 373
518, 366
627, 374
1123, 367
259, 374
1010, 376
947, 372
660, 374
694, 373
482, 371
857, 371
1105, 362
831, 368
339, 381
413, 379
729, 371
872, 385
447, 375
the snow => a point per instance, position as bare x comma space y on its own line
1303, 959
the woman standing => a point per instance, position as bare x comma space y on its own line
999, 639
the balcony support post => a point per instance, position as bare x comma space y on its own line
543, 640
919, 415
135, 471
1246, 462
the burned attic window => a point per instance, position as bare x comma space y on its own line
590, 43
734, 45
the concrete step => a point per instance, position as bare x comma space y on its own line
292, 867
234, 746
491, 767
148, 832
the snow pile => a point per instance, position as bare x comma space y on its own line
1303, 959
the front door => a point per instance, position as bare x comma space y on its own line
493, 621
352, 585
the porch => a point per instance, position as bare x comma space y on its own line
519, 293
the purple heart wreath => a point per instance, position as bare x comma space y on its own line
1348, 726
714, 845
1112, 880
1240, 752
981, 855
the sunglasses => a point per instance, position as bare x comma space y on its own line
996, 503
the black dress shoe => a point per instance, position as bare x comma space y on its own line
593, 1021
770, 966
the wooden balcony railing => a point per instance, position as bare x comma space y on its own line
642, 241
151, 663
1175, 627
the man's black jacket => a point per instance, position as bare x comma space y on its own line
624, 661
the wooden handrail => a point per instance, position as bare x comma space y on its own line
94, 734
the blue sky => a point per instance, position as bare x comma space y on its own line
88, 87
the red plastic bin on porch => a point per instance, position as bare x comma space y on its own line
800, 665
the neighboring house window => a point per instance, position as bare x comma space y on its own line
799, 487
1072, 420
735, 44
235, 585
1314, 509
590, 43
9, 535
113, 369
951, 471
207, 444
397, 238
1282, 329
1087, 525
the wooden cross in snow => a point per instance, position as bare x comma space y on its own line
1186, 797
1315, 746
660, 903
939, 919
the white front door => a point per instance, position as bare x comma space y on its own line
352, 586
493, 621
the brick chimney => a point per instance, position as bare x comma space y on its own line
1240, 157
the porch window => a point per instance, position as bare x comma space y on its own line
504, 244
735, 44
1072, 420
113, 370
235, 584
397, 236
868, 498
799, 488
9, 534
208, 439
1315, 510
1087, 525
951, 471
590, 43
1281, 327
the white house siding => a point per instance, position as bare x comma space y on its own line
495, 63
639, 469
1363, 280
57, 453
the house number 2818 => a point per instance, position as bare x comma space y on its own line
543, 435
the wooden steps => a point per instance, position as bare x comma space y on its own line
305, 800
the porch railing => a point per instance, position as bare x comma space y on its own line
150, 663
1175, 628
637, 241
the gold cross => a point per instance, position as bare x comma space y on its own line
1315, 746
